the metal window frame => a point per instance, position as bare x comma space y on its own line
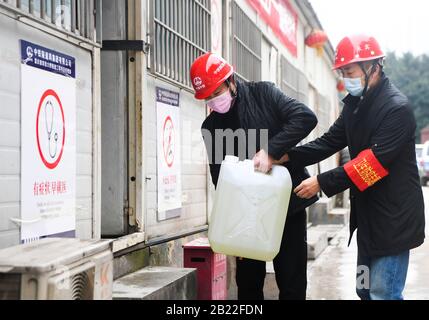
323, 112
293, 81
90, 12
272, 46
289, 78
246, 48
303, 87
176, 42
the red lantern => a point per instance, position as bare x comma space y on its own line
317, 39
340, 86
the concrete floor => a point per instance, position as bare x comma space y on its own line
332, 275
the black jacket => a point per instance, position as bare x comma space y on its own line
259, 106
389, 215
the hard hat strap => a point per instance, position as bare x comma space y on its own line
368, 76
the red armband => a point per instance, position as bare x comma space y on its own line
365, 170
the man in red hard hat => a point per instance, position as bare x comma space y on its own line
258, 109
387, 206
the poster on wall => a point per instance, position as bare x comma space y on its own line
48, 143
168, 154
282, 19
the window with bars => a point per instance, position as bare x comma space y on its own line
294, 82
78, 17
181, 32
246, 46
323, 113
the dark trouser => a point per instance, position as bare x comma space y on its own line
290, 265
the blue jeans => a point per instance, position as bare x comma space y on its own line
382, 278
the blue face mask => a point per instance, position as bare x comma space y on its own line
354, 86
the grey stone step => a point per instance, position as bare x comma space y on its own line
331, 229
317, 242
157, 283
324, 212
339, 215
318, 212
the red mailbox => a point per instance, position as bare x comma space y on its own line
211, 269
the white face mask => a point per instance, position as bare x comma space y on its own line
222, 103
354, 86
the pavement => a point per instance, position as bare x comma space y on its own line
332, 275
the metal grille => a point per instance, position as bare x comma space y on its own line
323, 113
246, 46
82, 288
181, 32
294, 82
77, 17
303, 88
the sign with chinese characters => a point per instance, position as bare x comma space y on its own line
168, 153
48, 140
282, 19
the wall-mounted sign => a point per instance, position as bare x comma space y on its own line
168, 152
48, 139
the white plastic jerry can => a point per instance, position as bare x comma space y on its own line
249, 210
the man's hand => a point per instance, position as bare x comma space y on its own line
263, 162
308, 188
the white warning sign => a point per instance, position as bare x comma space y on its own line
169, 164
48, 134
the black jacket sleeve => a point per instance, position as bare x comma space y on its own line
334, 181
397, 129
297, 122
322, 148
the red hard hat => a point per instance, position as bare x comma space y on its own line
208, 72
357, 48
